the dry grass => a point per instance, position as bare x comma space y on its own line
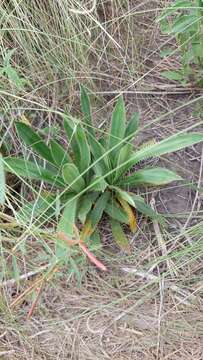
121, 316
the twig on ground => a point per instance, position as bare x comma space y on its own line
34, 304
26, 276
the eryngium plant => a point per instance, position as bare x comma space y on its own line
91, 175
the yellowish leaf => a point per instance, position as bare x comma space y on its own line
87, 230
131, 216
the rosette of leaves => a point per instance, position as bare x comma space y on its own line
91, 177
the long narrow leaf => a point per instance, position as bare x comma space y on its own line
65, 228
32, 139
97, 212
130, 214
83, 147
67, 221
85, 206
114, 210
119, 236
123, 156
103, 140
132, 126
117, 126
98, 184
85, 107
73, 178
98, 151
95, 216
69, 126
169, 145
125, 195
29, 169
70, 129
59, 155
183, 23
87, 230
95, 241
153, 176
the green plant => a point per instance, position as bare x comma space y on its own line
90, 176
10, 72
184, 20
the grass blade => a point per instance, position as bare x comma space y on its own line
2, 182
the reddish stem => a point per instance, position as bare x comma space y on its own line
92, 258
